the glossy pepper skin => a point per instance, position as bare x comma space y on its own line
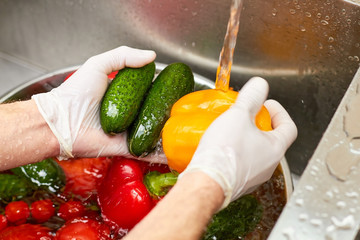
131, 189
122, 196
190, 116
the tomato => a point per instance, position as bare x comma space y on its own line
42, 210
25, 231
123, 198
17, 212
84, 175
3, 222
83, 229
71, 209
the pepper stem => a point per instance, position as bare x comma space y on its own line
158, 184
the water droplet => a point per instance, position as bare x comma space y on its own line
289, 233
324, 22
318, 15
315, 168
355, 145
351, 119
327, 18
321, 46
330, 233
328, 196
316, 222
299, 202
348, 20
302, 28
307, 14
340, 161
352, 194
303, 217
274, 12
341, 204
346, 223
292, 11
331, 39
356, 58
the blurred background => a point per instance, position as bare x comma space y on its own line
308, 50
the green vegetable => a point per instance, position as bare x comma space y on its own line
158, 184
13, 188
172, 83
235, 221
46, 175
124, 97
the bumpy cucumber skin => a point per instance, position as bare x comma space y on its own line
46, 175
124, 96
172, 83
13, 188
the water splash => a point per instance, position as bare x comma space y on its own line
227, 52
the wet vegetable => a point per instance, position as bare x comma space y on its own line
172, 83
124, 97
124, 198
235, 221
189, 119
25, 231
158, 184
47, 175
13, 188
83, 228
17, 212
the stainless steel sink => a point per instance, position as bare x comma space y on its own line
308, 50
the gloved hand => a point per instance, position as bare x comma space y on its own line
234, 152
72, 109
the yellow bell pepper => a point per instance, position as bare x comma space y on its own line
190, 116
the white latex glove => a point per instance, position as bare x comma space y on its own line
72, 109
234, 152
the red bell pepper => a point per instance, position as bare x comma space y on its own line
123, 196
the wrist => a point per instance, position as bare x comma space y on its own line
48, 143
203, 187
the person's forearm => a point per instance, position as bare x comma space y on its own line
25, 136
184, 213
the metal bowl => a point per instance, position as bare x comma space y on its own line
52, 80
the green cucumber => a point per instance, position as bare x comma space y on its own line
46, 175
124, 96
13, 188
172, 83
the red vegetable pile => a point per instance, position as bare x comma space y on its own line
103, 199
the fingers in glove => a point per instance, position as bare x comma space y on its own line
284, 127
121, 57
252, 95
